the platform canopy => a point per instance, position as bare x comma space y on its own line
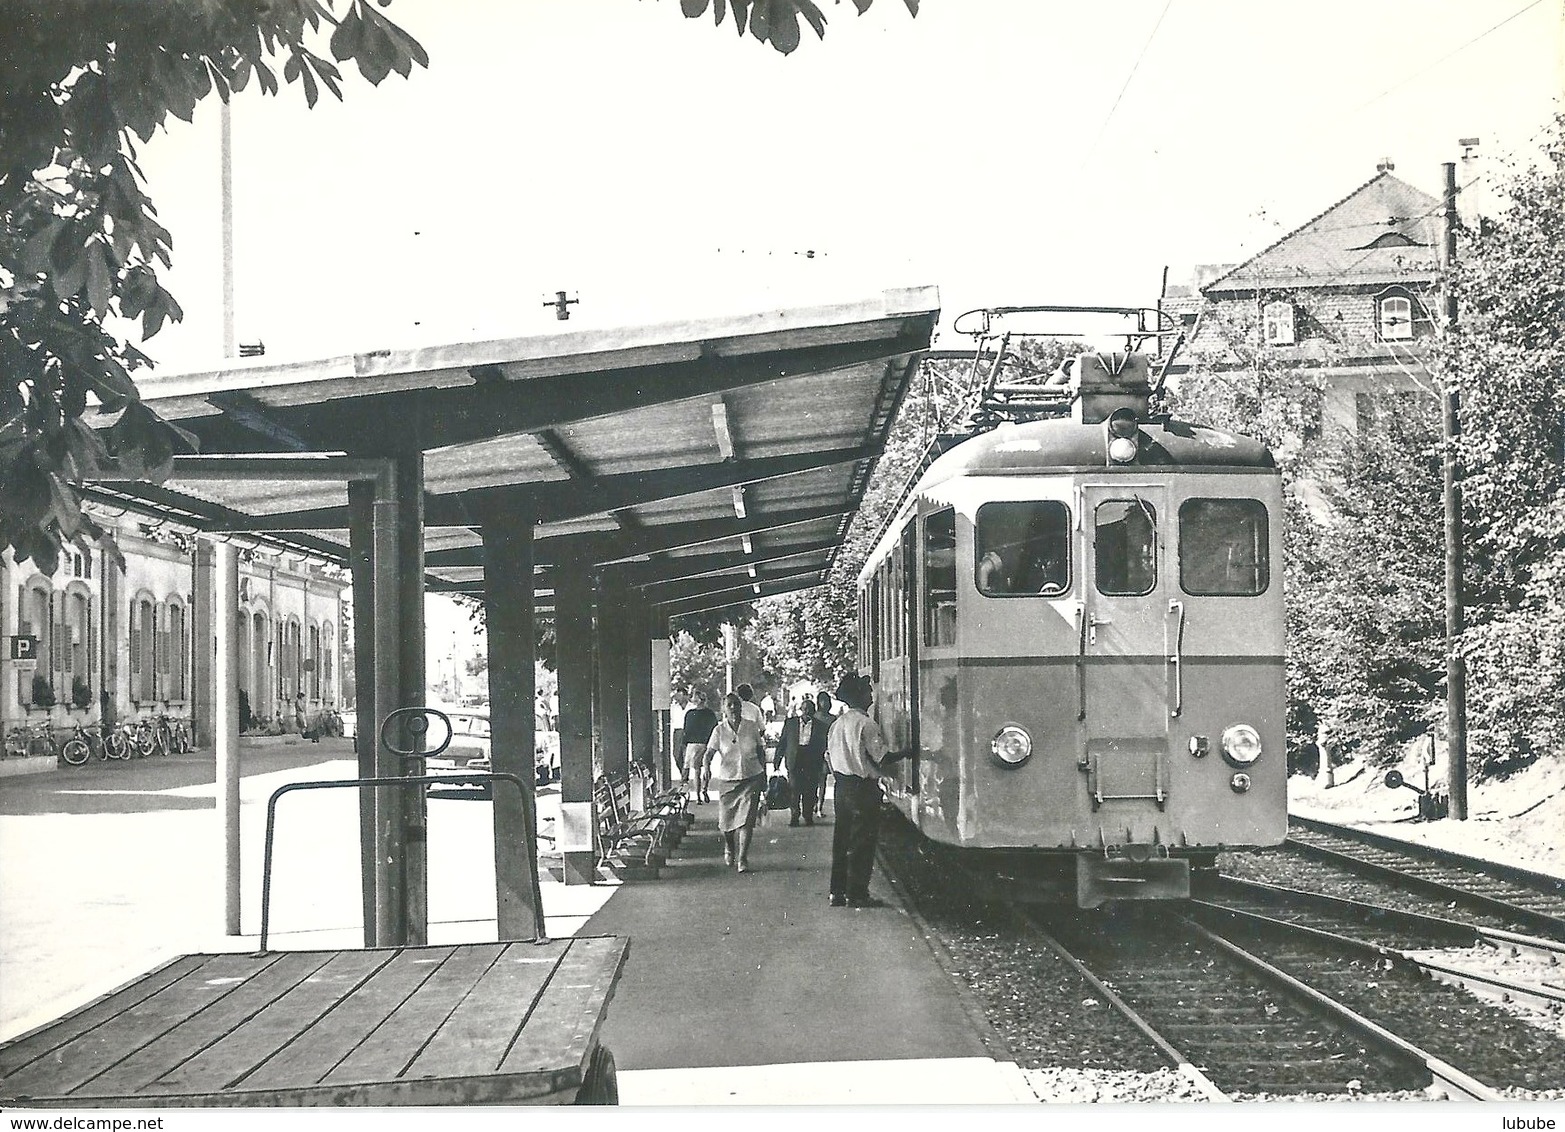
710, 462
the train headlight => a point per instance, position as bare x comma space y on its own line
1241, 744
1122, 430
1011, 745
1239, 783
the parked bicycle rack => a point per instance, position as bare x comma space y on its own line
418, 726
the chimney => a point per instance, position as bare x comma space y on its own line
1469, 186
1386, 165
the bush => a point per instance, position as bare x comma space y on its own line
43, 692
81, 694
246, 720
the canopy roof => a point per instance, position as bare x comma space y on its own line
714, 460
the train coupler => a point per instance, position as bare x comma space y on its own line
1123, 874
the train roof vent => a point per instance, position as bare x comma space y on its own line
1102, 383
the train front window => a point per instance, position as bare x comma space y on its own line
1125, 547
1223, 547
1022, 548
940, 578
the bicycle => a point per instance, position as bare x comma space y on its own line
19, 741
174, 734
121, 742
148, 738
78, 748
25, 740
98, 739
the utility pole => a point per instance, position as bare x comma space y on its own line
1455, 616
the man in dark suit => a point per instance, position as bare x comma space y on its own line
802, 749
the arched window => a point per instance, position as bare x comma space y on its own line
261, 642
245, 657
314, 680
328, 665
1394, 317
291, 658
143, 648
174, 653
34, 602
1278, 317
77, 647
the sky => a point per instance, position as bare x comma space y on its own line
658, 168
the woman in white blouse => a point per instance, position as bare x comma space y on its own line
736, 764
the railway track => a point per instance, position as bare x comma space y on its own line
1249, 992
1531, 900
1493, 964
1247, 1025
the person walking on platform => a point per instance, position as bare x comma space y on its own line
750, 709
824, 719
802, 749
859, 755
736, 766
700, 721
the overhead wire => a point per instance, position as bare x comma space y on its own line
1118, 98
1447, 56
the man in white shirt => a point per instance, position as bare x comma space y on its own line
859, 756
748, 708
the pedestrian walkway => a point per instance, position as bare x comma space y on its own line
739, 989
749, 989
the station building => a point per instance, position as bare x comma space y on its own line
98, 640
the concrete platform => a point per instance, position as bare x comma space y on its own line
739, 990
749, 989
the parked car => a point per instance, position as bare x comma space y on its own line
469, 748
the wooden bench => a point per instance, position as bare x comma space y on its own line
632, 845
469, 1024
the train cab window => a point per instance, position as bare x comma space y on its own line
1125, 547
940, 578
1022, 548
1223, 547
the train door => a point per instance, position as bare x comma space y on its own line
1123, 650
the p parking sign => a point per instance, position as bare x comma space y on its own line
24, 649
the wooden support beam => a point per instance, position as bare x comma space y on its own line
728, 599
593, 550
612, 712
573, 658
410, 691
638, 680
361, 561
558, 501
657, 570
508, 609
676, 592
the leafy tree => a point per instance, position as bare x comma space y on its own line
1365, 626
697, 664
1507, 353
83, 81
80, 240
774, 21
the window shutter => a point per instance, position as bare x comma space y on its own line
135, 642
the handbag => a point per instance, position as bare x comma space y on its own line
779, 794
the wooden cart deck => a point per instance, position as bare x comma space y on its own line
470, 1024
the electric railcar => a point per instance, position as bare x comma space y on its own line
1075, 622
